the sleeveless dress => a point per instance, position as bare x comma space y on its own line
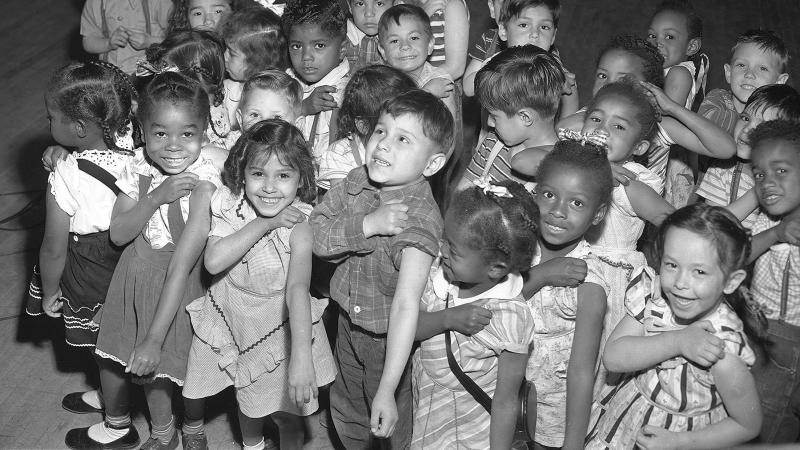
676, 394
447, 416
242, 323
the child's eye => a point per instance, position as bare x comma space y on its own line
740, 65
700, 272
602, 76
283, 176
522, 25
619, 127
379, 3
781, 171
764, 69
404, 140
669, 265
548, 194
744, 118
594, 119
758, 175
669, 37
577, 203
196, 13
188, 134
393, 41
319, 45
219, 11
651, 36
256, 173
414, 38
160, 134
295, 46
545, 27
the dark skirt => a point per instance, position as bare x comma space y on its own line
131, 305
90, 263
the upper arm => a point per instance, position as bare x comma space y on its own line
301, 242
572, 122
456, 29
194, 236
677, 84
217, 155
56, 228
414, 267
588, 324
738, 391
646, 202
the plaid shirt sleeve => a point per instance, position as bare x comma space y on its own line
423, 230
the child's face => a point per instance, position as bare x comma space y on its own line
748, 120
367, 13
568, 206
669, 33
173, 134
207, 14
270, 185
534, 25
263, 104
751, 68
461, 262
314, 52
399, 154
61, 127
511, 129
616, 118
615, 65
235, 62
406, 46
776, 169
691, 275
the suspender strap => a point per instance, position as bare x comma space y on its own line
354, 151
737, 175
498, 145
103, 20
174, 214
785, 288
469, 384
99, 174
312, 138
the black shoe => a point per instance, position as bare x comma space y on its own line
74, 403
78, 439
155, 444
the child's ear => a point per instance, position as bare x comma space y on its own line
80, 128
381, 51
498, 270
641, 147
527, 116
694, 46
435, 163
600, 214
782, 78
430, 46
734, 280
501, 32
727, 69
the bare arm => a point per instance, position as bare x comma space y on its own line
646, 202
744, 205
678, 84
505, 403
53, 253
302, 379
527, 161
456, 30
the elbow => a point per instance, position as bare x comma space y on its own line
117, 237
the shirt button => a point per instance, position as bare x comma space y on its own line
75, 237
356, 309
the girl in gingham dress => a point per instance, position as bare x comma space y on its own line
684, 344
257, 328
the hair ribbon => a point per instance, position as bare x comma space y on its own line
493, 189
145, 69
593, 137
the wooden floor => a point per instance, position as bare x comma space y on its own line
37, 36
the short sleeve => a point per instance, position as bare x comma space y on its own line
736, 343
62, 181
128, 181
713, 186
640, 291
717, 106
91, 19
423, 233
206, 171
221, 201
510, 329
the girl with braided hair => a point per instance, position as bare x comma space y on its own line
473, 307
162, 212
89, 107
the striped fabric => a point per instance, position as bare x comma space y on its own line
500, 166
770, 279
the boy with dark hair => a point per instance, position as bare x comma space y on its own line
362, 32
382, 225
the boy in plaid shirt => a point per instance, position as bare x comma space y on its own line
382, 225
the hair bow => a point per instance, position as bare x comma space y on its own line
489, 188
593, 137
145, 69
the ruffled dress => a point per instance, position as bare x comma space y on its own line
242, 335
447, 416
676, 394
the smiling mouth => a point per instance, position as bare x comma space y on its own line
554, 228
270, 201
173, 162
748, 87
381, 162
682, 302
770, 198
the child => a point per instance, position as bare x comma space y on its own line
120, 31
316, 31
254, 42
684, 344
406, 41
366, 91
775, 284
362, 32
163, 208
520, 88
199, 55
727, 181
205, 15
258, 313
88, 105
383, 227
478, 271
449, 21
573, 191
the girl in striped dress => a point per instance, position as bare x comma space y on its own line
475, 290
684, 343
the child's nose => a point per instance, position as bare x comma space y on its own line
208, 20
369, 11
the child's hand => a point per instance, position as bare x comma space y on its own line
144, 358
52, 305
570, 84
384, 415
52, 155
440, 87
788, 231
319, 100
139, 40
431, 6
666, 104
174, 187
388, 220
654, 438
621, 175
562, 271
467, 319
699, 345
302, 380
288, 217
118, 39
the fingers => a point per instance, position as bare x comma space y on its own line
706, 325
374, 421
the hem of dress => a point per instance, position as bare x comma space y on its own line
105, 355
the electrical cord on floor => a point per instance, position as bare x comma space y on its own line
22, 211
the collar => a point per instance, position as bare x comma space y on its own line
354, 34
330, 79
358, 181
582, 250
505, 290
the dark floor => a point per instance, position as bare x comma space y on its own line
37, 36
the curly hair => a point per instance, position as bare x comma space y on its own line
97, 92
505, 228
774, 130
589, 158
366, 91
264, 139
651, 58
694, 23
175, 88
328, 14
258, 35
647, 113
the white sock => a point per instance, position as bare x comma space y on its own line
92, 398
259, 446
99, 432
